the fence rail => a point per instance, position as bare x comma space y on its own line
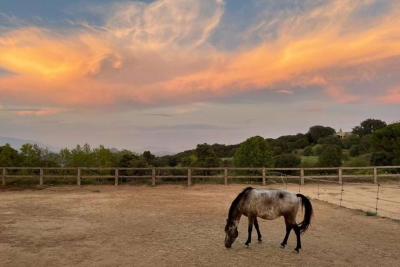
155, 173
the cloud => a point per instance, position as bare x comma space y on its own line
164, 53
312, 110
157, 114
35, 112
392, 96
285, 92
41, 112
341, 95
184, 127
185, 111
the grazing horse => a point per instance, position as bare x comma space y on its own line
268, 205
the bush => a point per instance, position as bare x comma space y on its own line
354, 151
356, 162
317, 150
380, 159
307, 151
330, 157
287, 161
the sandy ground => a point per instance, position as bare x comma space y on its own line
173, 225
361, 196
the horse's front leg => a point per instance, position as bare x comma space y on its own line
250, 229
257, 229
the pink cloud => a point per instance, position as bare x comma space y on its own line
185, 111
392, 96
339, 94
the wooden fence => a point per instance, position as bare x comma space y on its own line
188, 173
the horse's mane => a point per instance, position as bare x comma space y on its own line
235, 203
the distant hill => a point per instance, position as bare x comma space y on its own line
16, 143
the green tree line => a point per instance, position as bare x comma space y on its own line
373, 142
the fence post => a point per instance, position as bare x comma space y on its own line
41, 176
189, 176
226, 176
375, 176
302, 176
340, 175
4, 176
116, 176
153, 177
263, 176
377, 198
78, 182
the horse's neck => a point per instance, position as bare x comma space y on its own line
236, 217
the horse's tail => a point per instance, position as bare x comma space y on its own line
306, 204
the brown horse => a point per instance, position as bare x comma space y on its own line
268, 205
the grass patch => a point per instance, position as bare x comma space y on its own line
370, 213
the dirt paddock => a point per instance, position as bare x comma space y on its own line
174, 225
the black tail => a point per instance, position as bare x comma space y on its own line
306, 204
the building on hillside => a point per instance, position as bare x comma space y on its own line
342, 134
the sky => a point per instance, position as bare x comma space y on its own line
171, 74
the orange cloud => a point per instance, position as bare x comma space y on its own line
42, 112
161, 54
45, 54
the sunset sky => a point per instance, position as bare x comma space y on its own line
176, 73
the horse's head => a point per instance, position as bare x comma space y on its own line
231, 233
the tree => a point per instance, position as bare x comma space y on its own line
31, 154
65, 157
307, 151
287, 161
350, 140
81, 157
368, 127
330, 140
385, 145
365, 144
206, 156
150, 158
254, 152
331, 156
103, 157
380, 158
317, 150
316, 132
9, 157
354, 151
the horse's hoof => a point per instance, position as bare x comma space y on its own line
282, 246
259, 241
296, 250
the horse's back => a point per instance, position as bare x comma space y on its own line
270, 204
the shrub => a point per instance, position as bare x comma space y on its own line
356, 162
287, 161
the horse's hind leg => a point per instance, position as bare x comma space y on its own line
297, 231
288, 229
250, 229
257, 229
